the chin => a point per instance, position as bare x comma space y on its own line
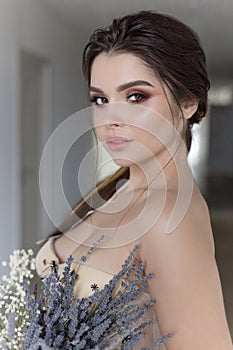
122, 162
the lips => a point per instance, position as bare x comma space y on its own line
116, 139
117, 142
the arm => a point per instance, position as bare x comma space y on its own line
186, 286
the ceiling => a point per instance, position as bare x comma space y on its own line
212, 19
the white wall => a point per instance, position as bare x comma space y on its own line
30, 25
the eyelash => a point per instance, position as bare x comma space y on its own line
142, 97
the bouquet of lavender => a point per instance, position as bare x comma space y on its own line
48, 316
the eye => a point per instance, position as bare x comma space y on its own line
137, 97
98, 100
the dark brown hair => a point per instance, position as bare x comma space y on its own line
168, 47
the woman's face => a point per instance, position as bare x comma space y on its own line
129, 101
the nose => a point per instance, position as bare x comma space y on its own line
112, 116
115, 115
114, 125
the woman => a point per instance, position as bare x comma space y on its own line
148, 85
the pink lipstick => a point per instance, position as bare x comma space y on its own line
117, 142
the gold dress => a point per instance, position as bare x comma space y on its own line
86, 277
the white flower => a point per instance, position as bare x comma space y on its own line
12, 297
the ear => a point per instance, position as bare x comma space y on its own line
189, 108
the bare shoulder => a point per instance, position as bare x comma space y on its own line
194, 227
186, 284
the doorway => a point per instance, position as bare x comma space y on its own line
35, 127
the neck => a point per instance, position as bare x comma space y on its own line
154, 174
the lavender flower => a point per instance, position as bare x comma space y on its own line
91, 249
55, 319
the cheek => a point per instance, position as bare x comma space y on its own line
99, 131
162, 107
98, 128
146, 138
154, 131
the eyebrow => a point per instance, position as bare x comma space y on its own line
124, 86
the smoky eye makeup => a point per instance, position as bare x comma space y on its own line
134, 96
97, 100
137, 96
